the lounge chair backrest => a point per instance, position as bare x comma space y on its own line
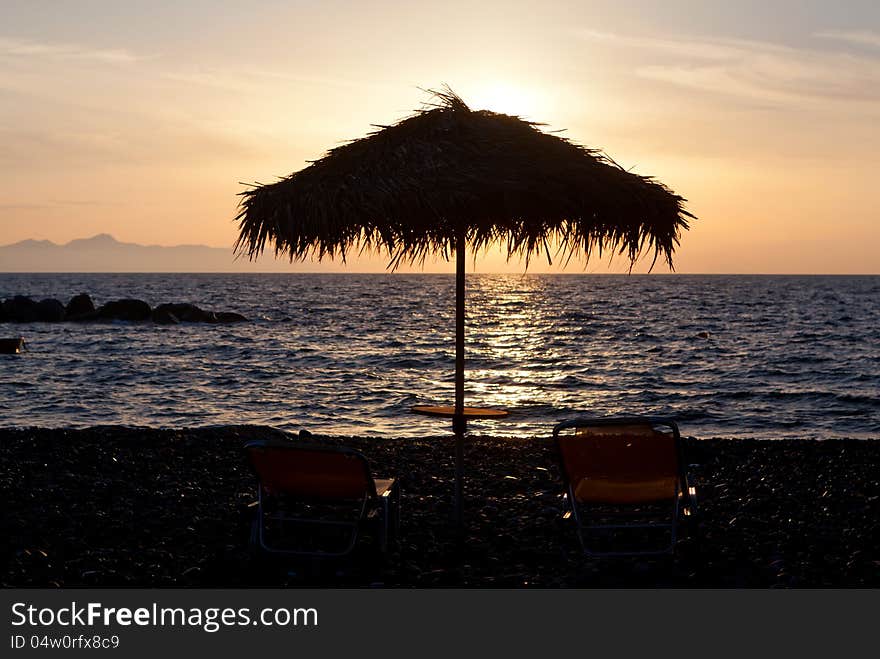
313, 473
628, 462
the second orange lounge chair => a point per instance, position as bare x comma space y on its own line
624, 474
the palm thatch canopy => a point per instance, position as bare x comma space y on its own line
413, 188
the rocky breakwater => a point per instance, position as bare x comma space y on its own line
81, 308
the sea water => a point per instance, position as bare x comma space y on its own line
727, 356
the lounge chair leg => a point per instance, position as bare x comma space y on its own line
385, 528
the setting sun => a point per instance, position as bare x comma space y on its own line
506, 98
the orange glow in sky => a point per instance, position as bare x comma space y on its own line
141, 122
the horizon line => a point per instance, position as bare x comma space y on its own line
451, 274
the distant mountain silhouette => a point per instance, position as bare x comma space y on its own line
103, 253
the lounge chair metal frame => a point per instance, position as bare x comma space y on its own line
385, 503
684, 502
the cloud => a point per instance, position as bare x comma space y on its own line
59, 203
760, 71
10, 47
856, 37
22, 207
261, 79
84, 202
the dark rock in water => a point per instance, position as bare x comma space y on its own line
127, 309
163, 316
230, 317
20, 309
185, 313
190, 313
11, 346
80, 305
50, 311
703, 335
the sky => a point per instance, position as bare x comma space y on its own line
142, 120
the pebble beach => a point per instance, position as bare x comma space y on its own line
115, 506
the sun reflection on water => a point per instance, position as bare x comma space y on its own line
510, 362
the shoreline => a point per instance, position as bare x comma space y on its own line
139, 507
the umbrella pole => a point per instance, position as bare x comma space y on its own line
459, 423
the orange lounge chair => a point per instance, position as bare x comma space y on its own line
624, 468
308, 492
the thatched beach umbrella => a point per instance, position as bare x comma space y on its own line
449, 178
